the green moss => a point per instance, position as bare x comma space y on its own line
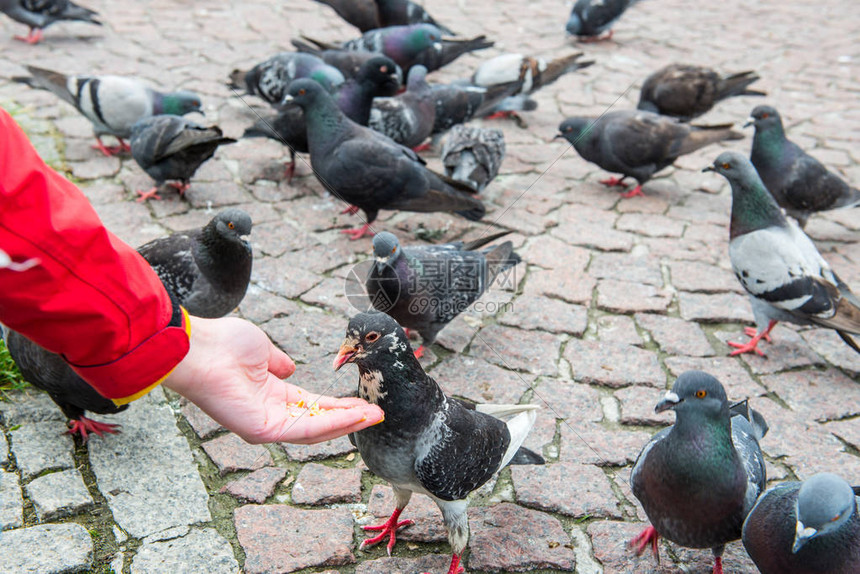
10, 376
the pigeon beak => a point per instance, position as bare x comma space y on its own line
803, 534
669, 401
288, 99
708, 168
345, 355
750, 121
437, 46
558, 136
381, 263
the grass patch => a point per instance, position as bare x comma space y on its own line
10, 376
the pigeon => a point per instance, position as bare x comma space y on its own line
270, 79
424, 287
778, 265
368, 170
349, 63
207, 271
687, 92
473, 155
407, 118
811, 527
404, 13
39, 14
362, 14
418, 44
637, 144
377, 78
428, 442
798, 181
591, 18
530, 73
172, 147
112, 103
698, 479
457, 103
208, 268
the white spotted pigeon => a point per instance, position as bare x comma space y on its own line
428, 443
778, 265
407, 118
698, 479
271, 78
809, 527
473, 155
798, 182
39, 14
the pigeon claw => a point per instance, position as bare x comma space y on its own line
111, 151
351, 210
389, 528
594, 39
647, 537
614, 181
718, 565
633, 192
290, 171
148, 194
355, 234
752, 345
84, 426
180, 187
34, 36
421, 147
752, 332
455, 566
419, 352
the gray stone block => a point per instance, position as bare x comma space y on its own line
11, 502
40, 446
59, 494
46, 549
200, 552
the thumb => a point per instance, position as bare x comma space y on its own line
280, 364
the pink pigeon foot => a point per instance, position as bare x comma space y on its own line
34, 36
422, 147
633, 192
455, 567
647, 537
389, 528
718, 565
507, 114
419, 352
109, 151
594, 39
613, 182
752, 345
355, 234
181, 188
351, 210
84, 425
149, 194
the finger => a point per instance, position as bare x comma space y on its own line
280, 364
331, 424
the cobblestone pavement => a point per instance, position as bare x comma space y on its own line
616, 298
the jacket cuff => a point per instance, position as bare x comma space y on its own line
144, 367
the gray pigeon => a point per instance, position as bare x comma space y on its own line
459, 102
798, 181
348, 62
405, 12
39, 14
778, 265
637, 144
362, 14
811, 527
172, 147
473, 155
407, 118
687, 92
591, 18
424, 287
206, 270
112, 103
698, 479
270, 79
366, 169
428, 443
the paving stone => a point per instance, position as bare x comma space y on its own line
676, 336
531, 351
827, 343
28, 406
11, 502
849, 431
256, 486
41, 446
618, 329
428, 526
397, 565
319, 451
4, 449
480, 381
786, 351
719, 308
457, 335
598, 363
202, 551
132, 467
702, 278
637, 406
319, 484
737, 381
95, 168
650, 225
567, 488
547, 315
610, 541
593, 234
279, 538
812, 393
625, 297
593, 444
508, 538
626, 267
230, 453
567, 400
59, 494
46, 549
556, 283
542, 434
552, 253
200, 422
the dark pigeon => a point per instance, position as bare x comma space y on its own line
428, 443
687, 92
362, 14
457, 103
698, 479
377, 78
405, 12
39, 14
407, 118
270, 79
349, 63
172, 148
810, 527
370, 171
799, 182
591, 18
424, 287
206, 270
418, 44
473, 155
778, 265
113, 104
637, 144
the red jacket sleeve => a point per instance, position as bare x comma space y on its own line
91, 298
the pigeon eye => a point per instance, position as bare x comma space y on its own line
726, 166
231, 225
393, 249
765, 116
384, 69
302, 92
701, 394
372, 337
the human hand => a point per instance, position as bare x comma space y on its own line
234, 373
